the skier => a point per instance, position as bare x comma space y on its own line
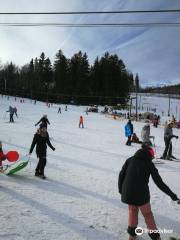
66, 108
168, 135
2, 157
145, 133
129, 132
59, 110
41, 140
133, 187
81, 122
44, 120
11, 113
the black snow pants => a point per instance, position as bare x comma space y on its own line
168, 148
128, 141
11, 118
41, 165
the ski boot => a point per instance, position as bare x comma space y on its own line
37, 174
42, 176
154, 236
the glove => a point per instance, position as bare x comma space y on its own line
178, 201
174, 197
54, 149
177, 137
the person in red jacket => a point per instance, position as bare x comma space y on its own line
2, 156
81, 122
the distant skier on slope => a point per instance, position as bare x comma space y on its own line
145, 133
81, 122
11, 113
41, 140
44, 120
129, 132
168, 135
59, 110
133, 187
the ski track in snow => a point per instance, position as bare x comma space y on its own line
79, 199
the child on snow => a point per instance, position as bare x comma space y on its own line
135, 139
81, 122
133, 187
2, 156
44, 120
41, 140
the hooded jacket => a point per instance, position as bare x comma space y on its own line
41, 141
134, 179
128, 129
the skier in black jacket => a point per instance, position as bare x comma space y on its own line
41, 140
44, 120
133, 187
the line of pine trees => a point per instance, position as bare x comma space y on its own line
107, 78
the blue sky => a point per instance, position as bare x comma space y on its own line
153, 53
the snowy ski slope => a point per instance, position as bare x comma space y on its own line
80, 199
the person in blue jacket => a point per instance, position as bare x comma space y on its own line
129, 132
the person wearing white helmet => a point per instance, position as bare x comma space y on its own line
44, 120
168, 135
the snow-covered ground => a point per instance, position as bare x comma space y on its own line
79, 199
163, 105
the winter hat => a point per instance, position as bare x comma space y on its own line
147, 146
0, 144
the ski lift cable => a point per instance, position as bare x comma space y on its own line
93, 12
147, 24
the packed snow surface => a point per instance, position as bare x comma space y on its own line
79, 199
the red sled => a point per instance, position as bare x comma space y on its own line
12, 156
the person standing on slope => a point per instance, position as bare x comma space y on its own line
133, 187
168, 135
81, 122
129, 132
41, 140
145, 133
11, 113
59, 110
44, 120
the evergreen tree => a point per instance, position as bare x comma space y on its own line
61, 73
